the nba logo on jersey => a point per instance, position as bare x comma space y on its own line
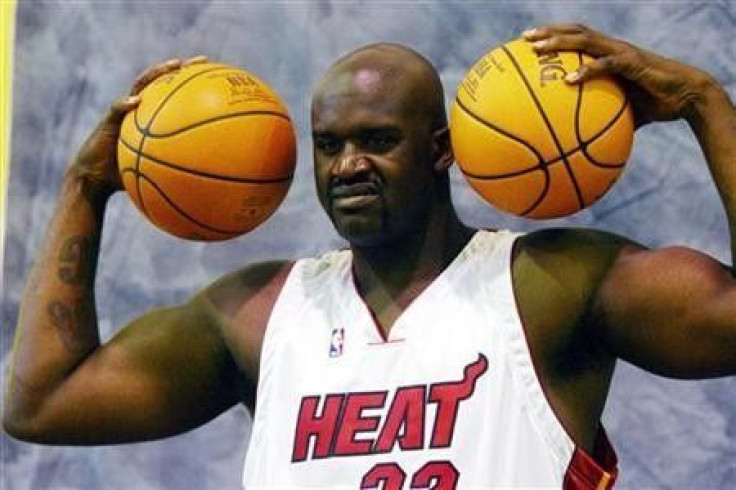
336, 341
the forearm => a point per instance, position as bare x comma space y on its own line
57, 325
713, 121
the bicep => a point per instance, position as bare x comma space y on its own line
165, 373
670, 311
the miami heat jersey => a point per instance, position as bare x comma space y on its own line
449, 399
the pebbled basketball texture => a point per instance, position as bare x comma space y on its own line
209, 153
533, 145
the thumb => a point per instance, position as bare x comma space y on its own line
120, 108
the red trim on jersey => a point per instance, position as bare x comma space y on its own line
394, 341
592, 473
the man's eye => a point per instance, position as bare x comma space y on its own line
327, 145
380, 143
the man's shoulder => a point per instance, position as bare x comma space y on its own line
565, 238
263, 281
581, 245
260, 281
557, 274
575, 259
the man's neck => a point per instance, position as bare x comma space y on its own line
390, 276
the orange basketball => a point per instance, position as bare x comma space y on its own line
530, 143
209, 153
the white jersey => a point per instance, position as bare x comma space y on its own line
449, 400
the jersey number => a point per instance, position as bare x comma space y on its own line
435, 475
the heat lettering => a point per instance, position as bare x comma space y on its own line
362, 423
320, 427
354, 422
405, 421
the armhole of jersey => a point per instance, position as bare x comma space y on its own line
584, 471
305, 276
281, 307
260, 422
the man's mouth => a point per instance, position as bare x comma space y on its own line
347, 197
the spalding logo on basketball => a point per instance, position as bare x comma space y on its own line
209, 153
533, 145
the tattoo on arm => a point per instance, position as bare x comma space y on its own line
72, 324
75, 259
74, 320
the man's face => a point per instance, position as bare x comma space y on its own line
372, 157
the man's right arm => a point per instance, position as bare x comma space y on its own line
167, 372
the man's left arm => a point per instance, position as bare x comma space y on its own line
671, 311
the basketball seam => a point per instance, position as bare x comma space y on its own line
501, 176
171, 94
146, 131
141, 175
532, 169
584, 144
547, 122
546, 163
137, 182
541, 164
537, 201
203, 174
150, 122
540, 160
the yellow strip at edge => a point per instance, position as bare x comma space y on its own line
7, 38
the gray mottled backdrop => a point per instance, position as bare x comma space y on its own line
72, 58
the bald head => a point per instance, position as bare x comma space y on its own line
381, 147
390, 70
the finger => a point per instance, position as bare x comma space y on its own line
120, 108
154, 72
573, 42
201, 58
601, 67
573, 38
542, 32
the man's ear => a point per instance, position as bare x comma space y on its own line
442, 150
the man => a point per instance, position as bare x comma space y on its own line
429, 354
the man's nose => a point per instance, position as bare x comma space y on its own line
350, 163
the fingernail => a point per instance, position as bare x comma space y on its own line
573, 76
540, 44
529, 32
133, 99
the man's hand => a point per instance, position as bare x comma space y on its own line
660, 89
96, 163
670, 311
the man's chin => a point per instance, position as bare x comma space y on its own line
361, 232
